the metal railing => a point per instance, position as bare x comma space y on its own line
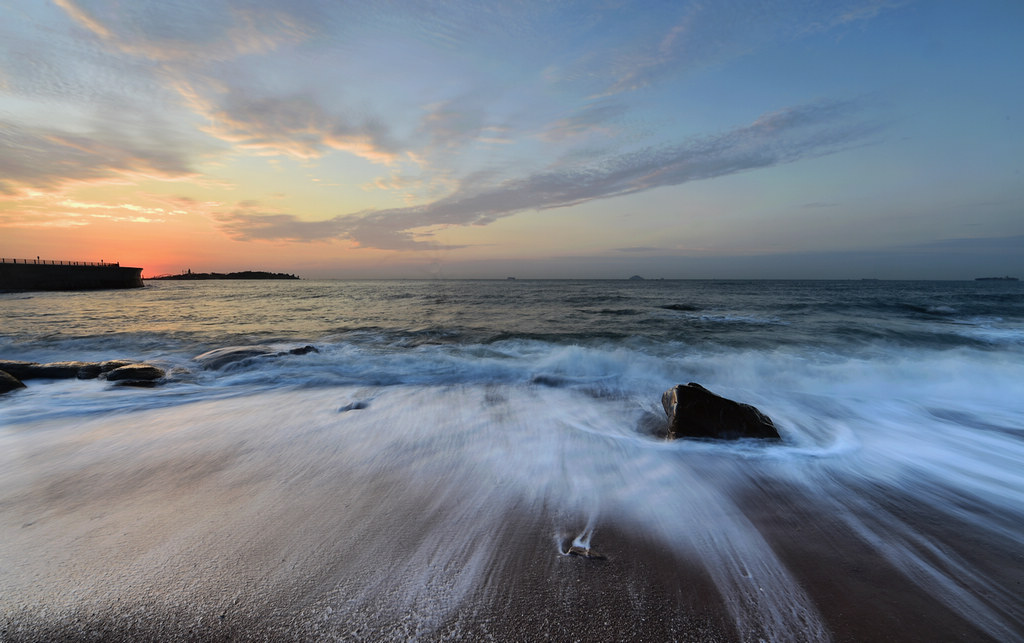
53, 262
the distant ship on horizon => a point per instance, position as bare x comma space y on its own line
1007, 278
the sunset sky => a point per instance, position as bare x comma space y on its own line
846, 139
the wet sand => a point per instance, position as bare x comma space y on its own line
306, 569
156, 532
98, 581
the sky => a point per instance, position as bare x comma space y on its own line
547, 139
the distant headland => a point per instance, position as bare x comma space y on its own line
245, 274
23, 275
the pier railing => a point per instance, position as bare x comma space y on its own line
54, 262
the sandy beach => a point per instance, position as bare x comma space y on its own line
204, 529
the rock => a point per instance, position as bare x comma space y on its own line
19, 370
9, 383
585, 552
66, 370
135, 374
57, 370
137, 383
54, 370
218, 358
111, 364
122, 371
89, 371
695, 412
354, 406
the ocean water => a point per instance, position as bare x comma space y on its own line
900, 406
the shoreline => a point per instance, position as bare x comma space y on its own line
641, 592
173, 524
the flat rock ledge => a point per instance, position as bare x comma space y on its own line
124, 372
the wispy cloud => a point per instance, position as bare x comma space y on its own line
39, 159
169, 32
707, 34
294, 125
186, 45
593, 117
784, 136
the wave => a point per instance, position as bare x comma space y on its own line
870, 450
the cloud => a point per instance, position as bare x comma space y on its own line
592, 117
204, 53
295, 125
47, 160
248, 223
972, 245
708, 34
454, 123
200, 32
779, 137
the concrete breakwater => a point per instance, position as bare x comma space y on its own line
19, 275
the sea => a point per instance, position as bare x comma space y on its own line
900, 405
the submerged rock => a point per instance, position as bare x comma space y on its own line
355, 406
9, 383
695, 412
218, 358
135, 374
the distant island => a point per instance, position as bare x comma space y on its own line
245, 274
996, 279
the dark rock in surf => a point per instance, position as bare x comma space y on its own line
89, 371
136, 375
549, 380
51, 371
138, 383
302, 350
355, 406
111, 364
19, 370
695, 412
59, 370
9, 383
